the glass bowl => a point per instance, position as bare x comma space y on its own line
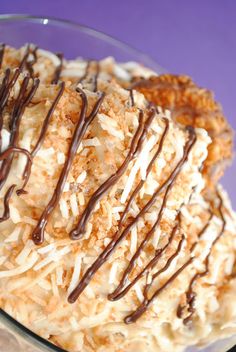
73, 40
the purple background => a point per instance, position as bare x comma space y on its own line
192, 37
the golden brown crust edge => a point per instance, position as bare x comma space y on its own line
192, 105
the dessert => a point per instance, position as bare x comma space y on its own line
109, 241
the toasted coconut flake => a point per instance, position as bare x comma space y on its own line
81, 178
81, 198
112, 274
46, 249
5, 134
66, 187
52, 57
138, 292
21, 268
55, 256
59, 276
141, 163
61, 158
92, 142
15, 216
74, 204
24, 254
64, 208
134, 240
76, 274
14, 236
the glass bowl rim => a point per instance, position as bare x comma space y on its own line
54, 21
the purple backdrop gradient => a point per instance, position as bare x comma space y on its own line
192, 37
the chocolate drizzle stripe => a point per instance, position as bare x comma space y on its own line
136, 145
42, 135
58, 69
25, 58
170, 260
86, 72
146, 269
96, 76
12, 150
131, 95
6, 165
5, 89
145, 305
21, 103
19, 106
164, 268
2, 106
4, 82
7, 85
7, 197
81, 127
190, 294
120, 235
202, 232
15, 116
2, 50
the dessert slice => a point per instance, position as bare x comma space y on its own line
92, 187
195, 106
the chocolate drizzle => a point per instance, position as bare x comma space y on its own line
190, 294
2, 50
41, 138
86, 72
58, 69
7, 197
12, 150
131, 95
80, 130
3, 102
5, 90
24, 62
22, 100
136, 145
17, 111
120, 235
96, 76
148, 301
121, 292
202, 232
118, 293
25, 58
150, 293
